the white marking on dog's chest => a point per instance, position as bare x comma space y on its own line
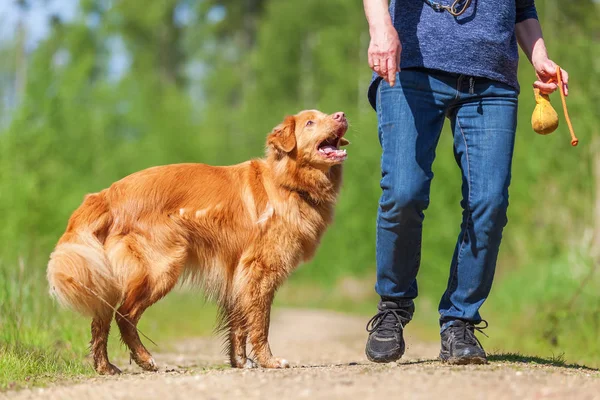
201, 213
249, 204
268, 213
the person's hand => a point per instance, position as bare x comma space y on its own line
547, 82
384, 52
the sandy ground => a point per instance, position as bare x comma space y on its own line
326, 351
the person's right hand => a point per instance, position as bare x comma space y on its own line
384, 52
545, 69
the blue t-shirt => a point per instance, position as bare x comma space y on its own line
481, 42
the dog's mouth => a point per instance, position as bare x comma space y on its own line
329, 148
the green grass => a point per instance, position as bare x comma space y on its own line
54, 346
552, 361
548, 308
40, 343
21, 366
37, 342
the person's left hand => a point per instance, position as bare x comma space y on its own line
547, 82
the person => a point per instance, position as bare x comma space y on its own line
454, 59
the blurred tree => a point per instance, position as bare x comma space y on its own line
131, 84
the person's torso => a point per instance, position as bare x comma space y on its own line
480, 42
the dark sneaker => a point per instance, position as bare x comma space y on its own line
460, 346
385, 343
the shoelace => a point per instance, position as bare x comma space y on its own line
466, 332
388, 320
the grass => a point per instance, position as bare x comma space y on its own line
37, 343
553, 361
21, 366
547, 309
40, 343
57, 348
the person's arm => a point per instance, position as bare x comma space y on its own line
385, 47
529, 36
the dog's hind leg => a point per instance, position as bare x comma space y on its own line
136, 302
155, 274
100, 330
128, 316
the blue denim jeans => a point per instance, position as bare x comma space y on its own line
483, 117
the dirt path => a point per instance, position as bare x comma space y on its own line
326, 351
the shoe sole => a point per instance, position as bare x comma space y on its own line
464, 360
384, 359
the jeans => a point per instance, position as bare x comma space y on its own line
483, 117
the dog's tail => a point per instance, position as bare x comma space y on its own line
79, 273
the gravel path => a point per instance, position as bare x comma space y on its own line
326, 351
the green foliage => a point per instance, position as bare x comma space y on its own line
202, 88
41, 344
37, 343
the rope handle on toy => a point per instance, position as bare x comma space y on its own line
574, 140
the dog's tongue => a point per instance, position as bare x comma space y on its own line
333, 152
328, 149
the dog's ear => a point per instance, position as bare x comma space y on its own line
283, 136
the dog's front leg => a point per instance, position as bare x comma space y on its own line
258, 319
237, 349
238, 336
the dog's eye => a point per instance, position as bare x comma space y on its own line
309, 123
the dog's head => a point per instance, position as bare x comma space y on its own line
311, 137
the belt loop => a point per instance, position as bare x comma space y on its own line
471, 85
459, 85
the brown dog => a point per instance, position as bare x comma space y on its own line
239, 231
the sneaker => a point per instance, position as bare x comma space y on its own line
385, 343
460, 346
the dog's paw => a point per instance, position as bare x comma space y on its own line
243, 362
276, 362
108, 369
147, 364
282, 363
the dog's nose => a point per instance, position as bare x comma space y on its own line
339, 116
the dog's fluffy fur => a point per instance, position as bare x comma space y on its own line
238, 231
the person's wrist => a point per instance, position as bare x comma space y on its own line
539, 55
380, 28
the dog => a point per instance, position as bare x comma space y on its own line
237, 231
